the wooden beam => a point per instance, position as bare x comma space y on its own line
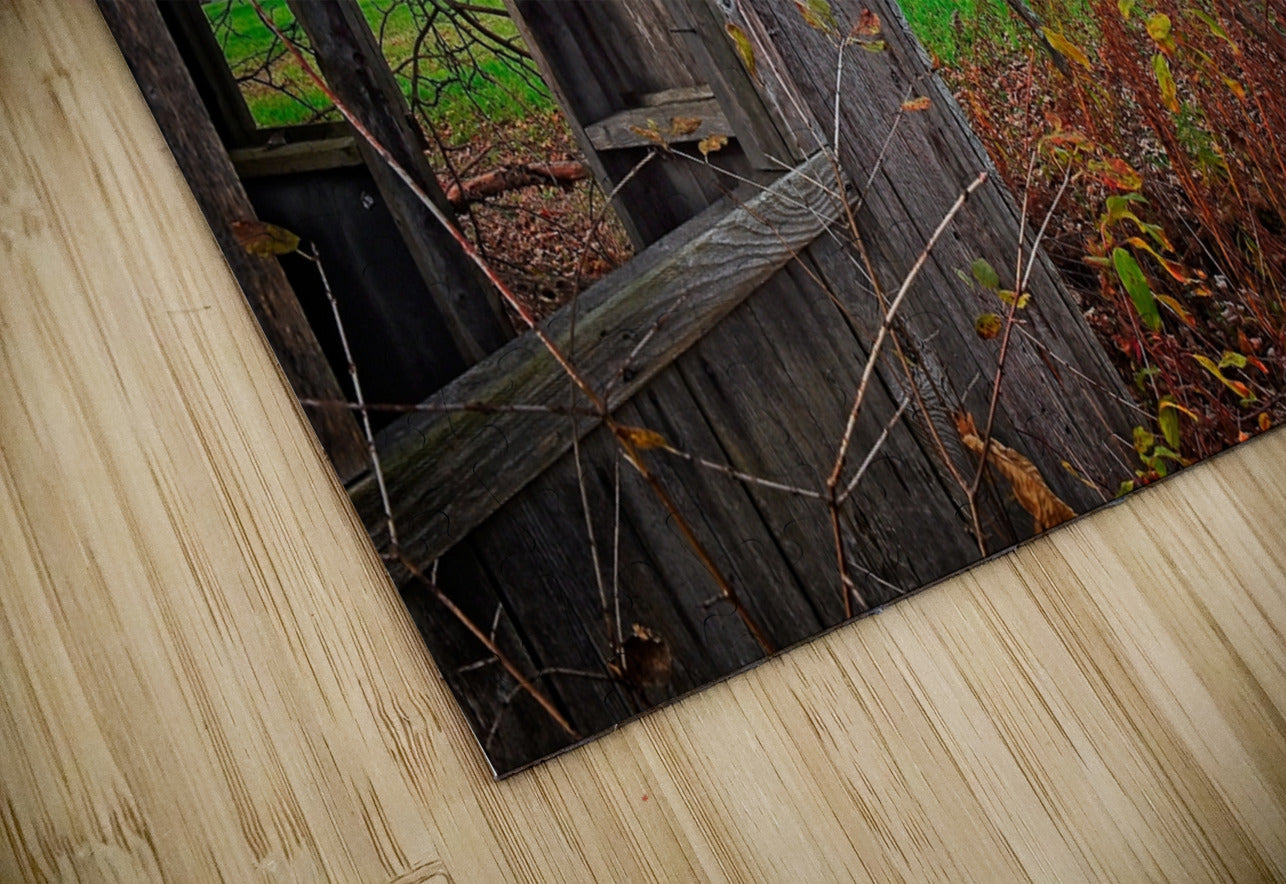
218, 87
626, 128
761, 126
172, 96
288, 159
355, 69
452, 470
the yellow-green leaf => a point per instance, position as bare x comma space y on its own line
1144, 441
1067, 47
1165, 79
1013, 298
1232, 359
818, 15
1161, 31
988, 325
1168, 420
1179, 310
263, 239
1242, 391
745, 48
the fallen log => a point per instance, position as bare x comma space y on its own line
461, 194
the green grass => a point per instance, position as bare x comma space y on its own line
952, 30
493, 91
960, 31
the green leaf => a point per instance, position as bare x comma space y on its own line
1161, 31
985, 274
1165, 79
1126, 7
1217, 29
1168, 420
1136, 284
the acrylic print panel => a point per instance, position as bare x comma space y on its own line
843, 362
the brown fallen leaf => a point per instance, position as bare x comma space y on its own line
1029, 486
646, 660
712, 143
263, 239
681, 126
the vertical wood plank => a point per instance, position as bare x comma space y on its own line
918, 174
355, 69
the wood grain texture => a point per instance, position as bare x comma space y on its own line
620, 130
205, 672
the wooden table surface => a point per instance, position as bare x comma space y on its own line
205, 672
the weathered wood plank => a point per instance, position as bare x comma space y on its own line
172, 95
620, 130
776, 380
760, 126
600, 58
289, 159
355, 69
917, 175
705, 269
219, 89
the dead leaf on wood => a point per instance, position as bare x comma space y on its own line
681, 126
642, 438
712, 143
645, 659
263, 239
651, 133
1029, 486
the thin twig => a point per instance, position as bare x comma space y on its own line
371, 449
509, 666
725, 588
748, 478
887, 324
875, 449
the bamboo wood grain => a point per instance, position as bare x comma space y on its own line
205, 673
